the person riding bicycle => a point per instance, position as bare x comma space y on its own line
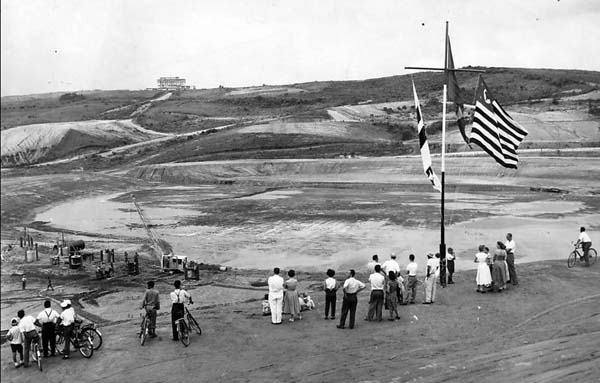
151, 303
30, 334
586, 243
178, 298
67, 323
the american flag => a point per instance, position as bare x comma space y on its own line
494, 130
425, 155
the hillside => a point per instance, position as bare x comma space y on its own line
328, 119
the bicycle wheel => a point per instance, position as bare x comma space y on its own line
60, 343
95, 335
194, 326
86, 348
572, 260
144, 331
592, 256
39, 356
184, 334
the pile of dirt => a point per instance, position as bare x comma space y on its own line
30, 144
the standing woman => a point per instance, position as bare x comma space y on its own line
392, 289
499, 276
484, 278
291, 302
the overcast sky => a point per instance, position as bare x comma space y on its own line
60, 45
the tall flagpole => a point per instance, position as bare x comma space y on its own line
442, 233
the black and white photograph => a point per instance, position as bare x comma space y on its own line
302, 191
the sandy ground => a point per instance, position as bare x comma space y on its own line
311, 215
545, 330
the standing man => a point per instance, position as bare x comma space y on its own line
50, 287
377, 281
351, 289
510, 258
371, 265
24, 282
430, 279
178, 298
330, 286
48, 318
27, 328
151, 303
586, 243
450, 257
276, 296
391, 265
67, 321
411, 270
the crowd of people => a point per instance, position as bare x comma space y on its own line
24, 331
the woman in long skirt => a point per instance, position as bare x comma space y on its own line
484, 277
392, 295
290, 301
499, 276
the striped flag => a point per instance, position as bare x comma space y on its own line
425, 155
494, 130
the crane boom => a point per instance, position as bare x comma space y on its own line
158, 243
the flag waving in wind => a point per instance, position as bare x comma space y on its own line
494, 130
425, 155
454, 92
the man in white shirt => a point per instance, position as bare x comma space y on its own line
27, 328
330, 288
275, 296
67, 321
411, 270
430, 279
351, 288
510, 258
371, 265
391, 265
450, 257
377, 281
586, 243
178, 298
48, 318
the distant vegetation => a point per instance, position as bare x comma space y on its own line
71, 97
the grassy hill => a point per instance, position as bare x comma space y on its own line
380, 122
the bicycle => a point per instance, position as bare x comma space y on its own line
35, 351
78, 340
576, 256
92, 331
144, 328
185, 325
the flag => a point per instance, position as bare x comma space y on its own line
454, 93
494, 130
425, 155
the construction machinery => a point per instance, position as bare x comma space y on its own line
168, 260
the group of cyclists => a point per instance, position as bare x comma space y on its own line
24, 332
151, 303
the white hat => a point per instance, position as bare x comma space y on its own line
14, 321
65, 303
393, 255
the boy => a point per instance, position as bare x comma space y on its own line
16, 342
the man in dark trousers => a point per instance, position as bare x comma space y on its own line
178, 298
151, 303
47, 318
510, 258
351, 288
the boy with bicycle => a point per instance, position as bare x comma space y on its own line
151, 303
178, 298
